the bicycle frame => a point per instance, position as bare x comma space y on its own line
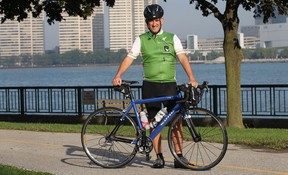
109, 147
167, 117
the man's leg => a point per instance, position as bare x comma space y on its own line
157, 144
151, 90
177, 136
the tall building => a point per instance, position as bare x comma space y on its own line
75, 33
98, 28
24, 38
192, 42
126, 22
82, 34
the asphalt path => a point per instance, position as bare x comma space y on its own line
62, 154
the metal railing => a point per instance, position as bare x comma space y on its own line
257, 100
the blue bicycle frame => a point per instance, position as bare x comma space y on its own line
166, 118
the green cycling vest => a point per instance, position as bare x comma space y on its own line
159, 57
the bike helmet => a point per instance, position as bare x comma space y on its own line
153, 11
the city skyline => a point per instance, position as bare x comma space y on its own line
190, 20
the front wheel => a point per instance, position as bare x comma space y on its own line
107, 140
202, 139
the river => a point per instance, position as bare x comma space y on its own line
251, 73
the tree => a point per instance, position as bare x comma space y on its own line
229, 19
232, 51
284, 53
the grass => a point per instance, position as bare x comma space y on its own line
261, 137
11, 170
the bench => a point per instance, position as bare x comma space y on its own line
118, 103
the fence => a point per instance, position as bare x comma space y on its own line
269, 101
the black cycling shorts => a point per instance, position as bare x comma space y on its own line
154, 89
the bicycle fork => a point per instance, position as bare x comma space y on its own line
192, 129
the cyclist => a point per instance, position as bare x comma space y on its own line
159, 50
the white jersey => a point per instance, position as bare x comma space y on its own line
136, 47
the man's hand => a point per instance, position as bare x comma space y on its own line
194, 83
117, 81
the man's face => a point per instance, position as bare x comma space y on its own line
155, 25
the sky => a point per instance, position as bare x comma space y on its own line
180, 18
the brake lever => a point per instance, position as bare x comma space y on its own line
182, 88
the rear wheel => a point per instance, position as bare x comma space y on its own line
208, 149
104, 138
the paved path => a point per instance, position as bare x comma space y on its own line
62, 154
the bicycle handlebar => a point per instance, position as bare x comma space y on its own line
192, 94
128, 82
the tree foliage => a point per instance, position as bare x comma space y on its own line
19, 9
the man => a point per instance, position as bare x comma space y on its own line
159, 50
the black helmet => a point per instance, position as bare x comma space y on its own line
153, 11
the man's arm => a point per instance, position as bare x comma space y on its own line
122, 68
186, 66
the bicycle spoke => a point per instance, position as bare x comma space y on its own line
207, 150
103, 147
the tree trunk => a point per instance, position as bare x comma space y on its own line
233, 56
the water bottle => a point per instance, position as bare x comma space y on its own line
144, 120
158, 117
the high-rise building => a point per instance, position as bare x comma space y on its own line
76, 33
126, 22
192, 42
22, 38
98, 28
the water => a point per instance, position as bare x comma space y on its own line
251, 73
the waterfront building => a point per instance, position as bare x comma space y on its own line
196, 43
76, 33
192, 42
98, 28
126, 22
273, 34
22, 38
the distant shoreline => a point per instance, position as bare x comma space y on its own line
222, 61
117, 64
59, 66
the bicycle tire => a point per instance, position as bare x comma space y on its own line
106, 151
210, 149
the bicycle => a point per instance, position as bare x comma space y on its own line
111, 137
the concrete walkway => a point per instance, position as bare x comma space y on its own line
62, 154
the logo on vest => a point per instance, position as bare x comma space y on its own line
166, 49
